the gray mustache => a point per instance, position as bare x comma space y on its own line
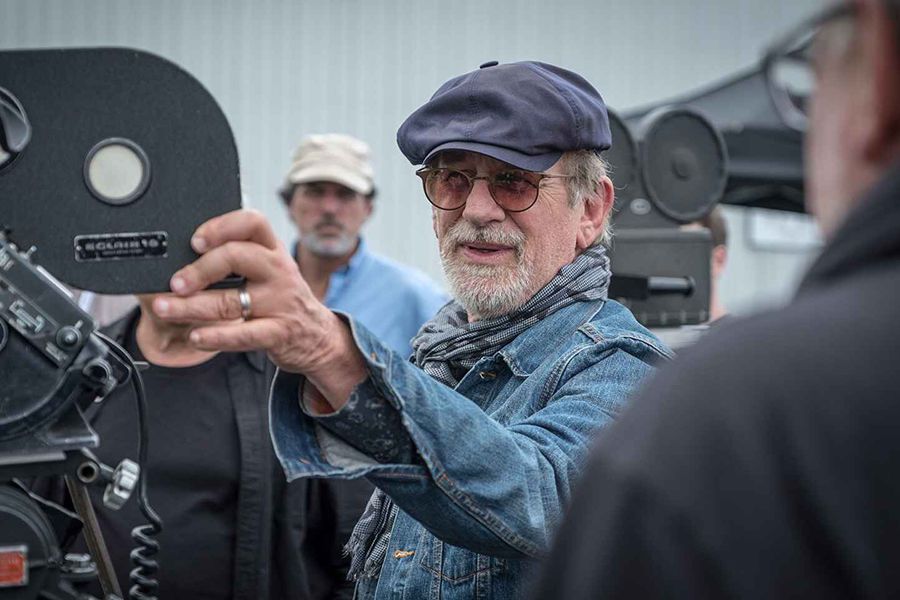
329, 222
464, 232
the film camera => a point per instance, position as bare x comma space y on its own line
669, 169
109, 159
671, 163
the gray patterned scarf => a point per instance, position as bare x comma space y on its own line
446, 347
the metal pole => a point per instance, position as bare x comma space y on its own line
94, 537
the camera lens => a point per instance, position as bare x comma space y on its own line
117, 171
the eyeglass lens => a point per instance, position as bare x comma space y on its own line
512, 190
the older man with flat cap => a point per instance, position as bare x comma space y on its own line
475, 444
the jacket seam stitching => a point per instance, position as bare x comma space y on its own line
553, 379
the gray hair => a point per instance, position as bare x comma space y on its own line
586, 169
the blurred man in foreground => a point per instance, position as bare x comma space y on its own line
776, 477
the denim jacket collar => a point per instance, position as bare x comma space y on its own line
525, 353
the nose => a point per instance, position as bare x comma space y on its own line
480, 208
330, 203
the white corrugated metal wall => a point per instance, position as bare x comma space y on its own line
282, 69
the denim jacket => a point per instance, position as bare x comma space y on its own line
496, 457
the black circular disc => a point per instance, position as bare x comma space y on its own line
684, 163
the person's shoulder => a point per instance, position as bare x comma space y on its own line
405, 277
828, 345
699, 405
759, 397
834, 325
614, 326
749, 387
399, 270
741, 362
601, 340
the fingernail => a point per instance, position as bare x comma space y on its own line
162, 307
178, 284
194, 337
198, 244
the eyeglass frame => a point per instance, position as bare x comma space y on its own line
786, 46
423, 172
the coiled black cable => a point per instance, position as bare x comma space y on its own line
144, 585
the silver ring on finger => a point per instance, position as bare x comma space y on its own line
244, 299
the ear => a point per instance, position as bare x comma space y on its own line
370, 207
880, 54
597, 211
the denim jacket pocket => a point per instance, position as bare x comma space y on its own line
454, 565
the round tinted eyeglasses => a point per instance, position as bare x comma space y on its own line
513, 190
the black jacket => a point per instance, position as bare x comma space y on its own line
289, 537
765, 461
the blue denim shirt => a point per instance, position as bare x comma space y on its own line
497, 456
392, 300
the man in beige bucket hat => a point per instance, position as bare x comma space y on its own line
329, 191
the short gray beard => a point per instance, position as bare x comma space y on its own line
485, 291
328, 247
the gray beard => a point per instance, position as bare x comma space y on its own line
485, 291
329, 248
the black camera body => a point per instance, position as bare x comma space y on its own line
110, 158
49, 358
52, 368
669, 168
672, 163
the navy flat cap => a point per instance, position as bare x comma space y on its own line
526, 114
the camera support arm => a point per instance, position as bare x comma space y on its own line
96, 545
